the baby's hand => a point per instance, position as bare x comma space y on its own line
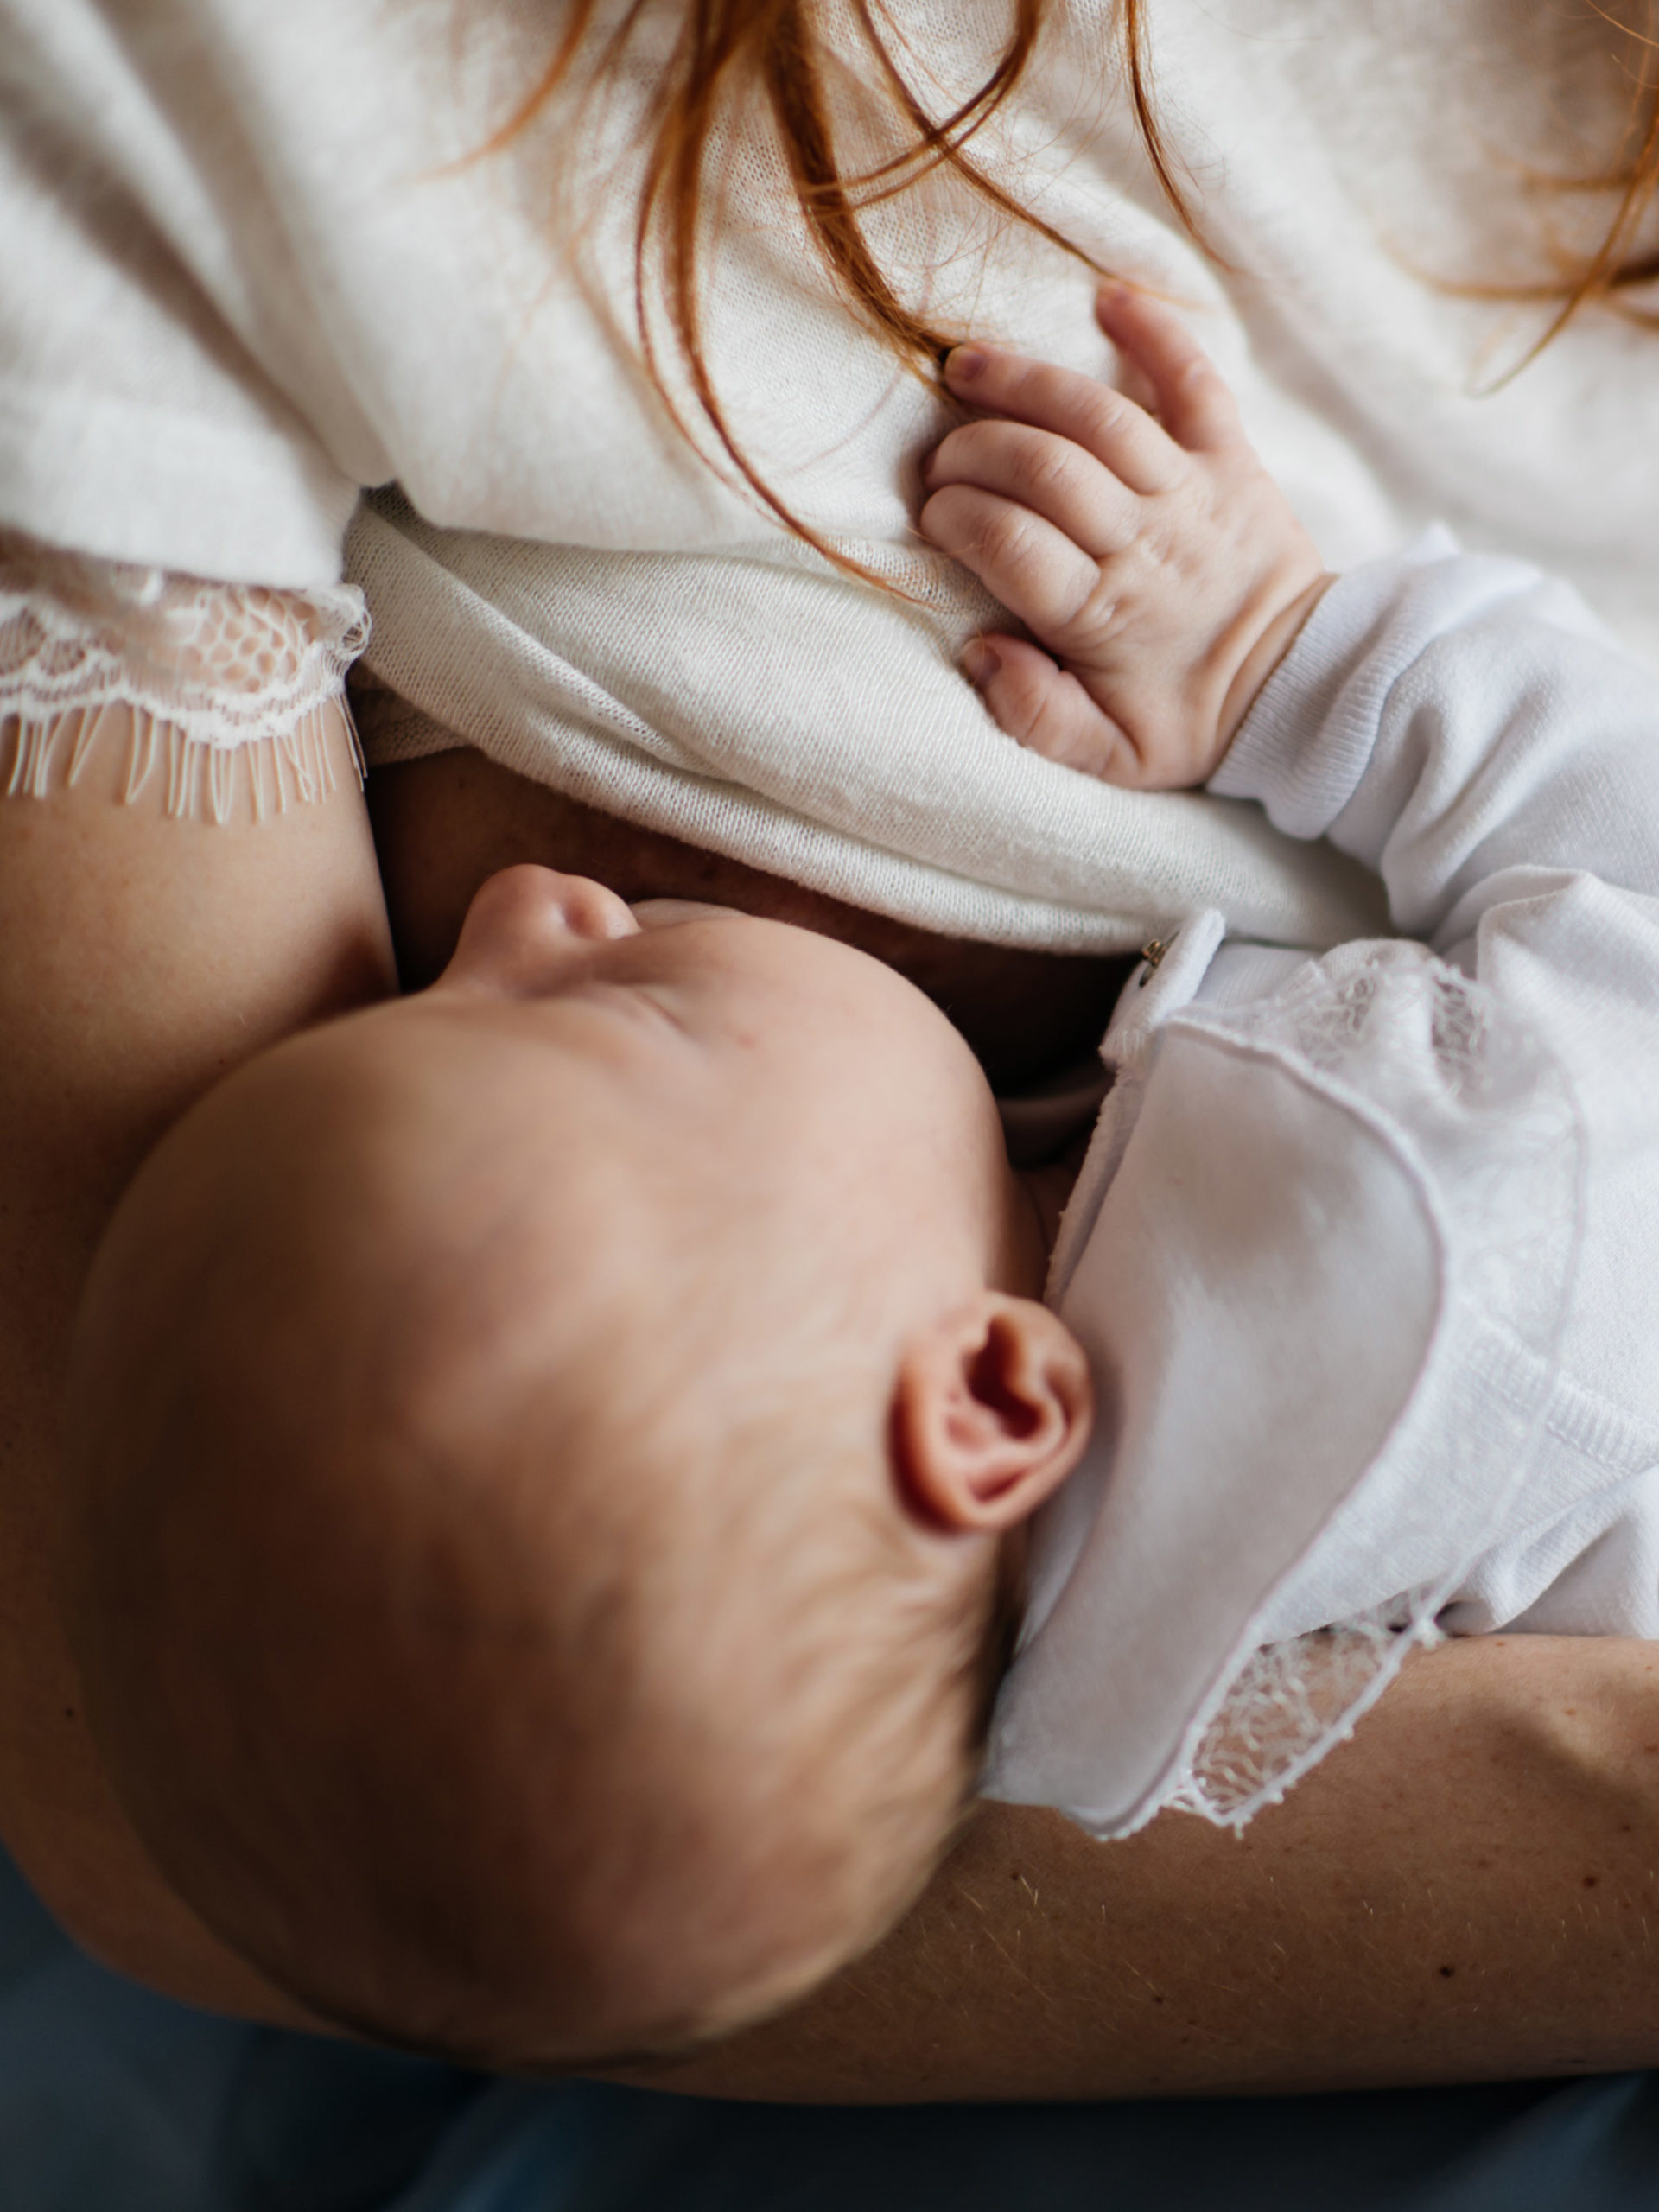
1155, 559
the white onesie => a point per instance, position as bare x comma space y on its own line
1364, 1250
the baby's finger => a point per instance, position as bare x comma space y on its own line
1037, 572
1120, 434
1051, 476
1194, 404
1048, 709
1132, 380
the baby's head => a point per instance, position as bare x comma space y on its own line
549, 1451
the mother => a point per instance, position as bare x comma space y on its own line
252, 265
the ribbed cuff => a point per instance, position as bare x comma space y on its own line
1307, 740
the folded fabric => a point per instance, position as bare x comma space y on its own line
766, 707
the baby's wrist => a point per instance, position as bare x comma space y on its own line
1273, 640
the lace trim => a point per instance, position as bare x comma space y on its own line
198, 778
1495, 1125
1290, 1704
227, 684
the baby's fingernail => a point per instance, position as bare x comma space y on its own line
963, 362
980, 661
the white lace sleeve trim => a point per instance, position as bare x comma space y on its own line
209, 670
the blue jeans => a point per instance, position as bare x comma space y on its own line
114, 2101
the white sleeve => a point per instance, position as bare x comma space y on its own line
1462, 725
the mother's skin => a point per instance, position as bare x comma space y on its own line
1463, 1891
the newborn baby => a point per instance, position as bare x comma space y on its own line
557, 1452
552, 1439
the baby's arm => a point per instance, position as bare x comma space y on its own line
1461, 724
1154, 558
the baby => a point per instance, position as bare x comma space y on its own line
560, 1457
548, 1443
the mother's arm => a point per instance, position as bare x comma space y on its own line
140, 958
1469, 1890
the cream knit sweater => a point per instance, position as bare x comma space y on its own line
254, 263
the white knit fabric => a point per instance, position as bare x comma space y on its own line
760, 706
250, 268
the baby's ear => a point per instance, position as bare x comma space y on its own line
991, 1411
